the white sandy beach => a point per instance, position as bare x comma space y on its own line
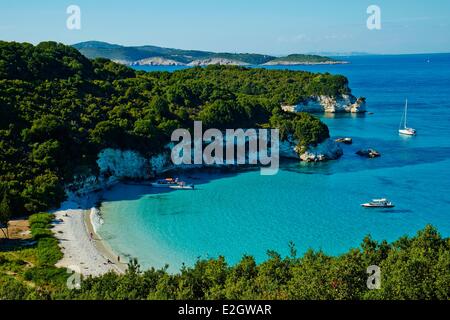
84, 252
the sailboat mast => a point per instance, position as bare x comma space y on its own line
406, 113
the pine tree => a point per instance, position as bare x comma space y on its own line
5, 214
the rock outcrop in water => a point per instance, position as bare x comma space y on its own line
369, 153
343, 103
327, 150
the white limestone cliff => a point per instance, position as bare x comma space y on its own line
157, 61
342, 103
123, 164
217, 61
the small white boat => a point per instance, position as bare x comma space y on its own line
378, 203
404, 125
165, 183
408, 132
183, 187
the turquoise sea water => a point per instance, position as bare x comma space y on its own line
315, 205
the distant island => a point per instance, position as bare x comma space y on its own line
299, 59
157, 56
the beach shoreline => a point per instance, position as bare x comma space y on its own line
101, 244
84, 251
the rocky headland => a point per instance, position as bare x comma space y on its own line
343, 103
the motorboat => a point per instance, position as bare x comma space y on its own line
183, 187
165, 183
378, 203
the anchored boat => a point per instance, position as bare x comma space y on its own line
165, 183
378, 203
183, 187
404, 130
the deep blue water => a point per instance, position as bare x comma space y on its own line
315, 205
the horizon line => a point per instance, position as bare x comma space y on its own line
331, 53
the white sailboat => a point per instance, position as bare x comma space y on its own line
404, 124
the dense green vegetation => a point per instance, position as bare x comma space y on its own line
58, 109
305, 129
97, 49
411, 268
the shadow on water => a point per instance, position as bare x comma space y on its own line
175, 213
386, 181
334, 116
398, 211
144, 190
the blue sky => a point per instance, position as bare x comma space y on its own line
263, 26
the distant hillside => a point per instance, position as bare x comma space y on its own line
153, 55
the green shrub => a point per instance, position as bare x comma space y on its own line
46, 275
39, 233
305, 128
11, 265
41, 220
12, 289
48, 251
40, 224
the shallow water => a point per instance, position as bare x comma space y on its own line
315, 205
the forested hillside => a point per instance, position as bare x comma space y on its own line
58, 109
136, 54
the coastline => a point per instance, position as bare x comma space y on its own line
73, 226
236, 63
102, 245
84, 251
305, 63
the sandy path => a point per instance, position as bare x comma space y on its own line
18, 229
